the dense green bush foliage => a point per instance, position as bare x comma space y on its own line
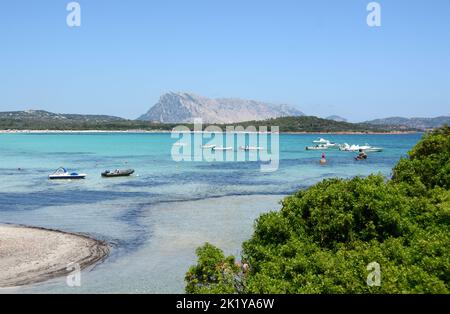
327, 235
324, 238
214, 272
428, 162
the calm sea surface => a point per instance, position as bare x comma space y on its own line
156, 218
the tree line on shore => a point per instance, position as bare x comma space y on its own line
285, 124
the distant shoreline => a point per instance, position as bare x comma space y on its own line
167, 131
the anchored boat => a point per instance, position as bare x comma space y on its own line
317, 147
209, 146
63, 174
322, 144
355, 148
222, 148
247, 148
321, 141
117, 173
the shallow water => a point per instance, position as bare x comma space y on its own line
157, 218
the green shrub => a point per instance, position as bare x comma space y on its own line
428, 162
214, 273
323, 238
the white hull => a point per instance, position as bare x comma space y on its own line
66, 177
247, 148
208, 146
357, 148
321, 141
222, 148
316, 147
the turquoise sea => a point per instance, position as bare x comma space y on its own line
155, 219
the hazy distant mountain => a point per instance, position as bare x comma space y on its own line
49, 116
416, 123
185, 107
336, 118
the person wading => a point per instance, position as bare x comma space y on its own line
323, 160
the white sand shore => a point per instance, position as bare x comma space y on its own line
30, 255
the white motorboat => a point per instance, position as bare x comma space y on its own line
209, 146
321, 141
355, 148
247, 148
373, 149
222, 148
324, 144
346, 147
349, 148
63, 174
317, 147
331, 144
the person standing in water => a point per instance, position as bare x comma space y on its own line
362, 155
323, 160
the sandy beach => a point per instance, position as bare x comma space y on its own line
30, 255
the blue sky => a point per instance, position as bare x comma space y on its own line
318, 55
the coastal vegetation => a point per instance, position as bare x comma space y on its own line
325, 238
315, 124
416, 123
42, 120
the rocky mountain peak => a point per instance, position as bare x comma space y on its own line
176, 107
